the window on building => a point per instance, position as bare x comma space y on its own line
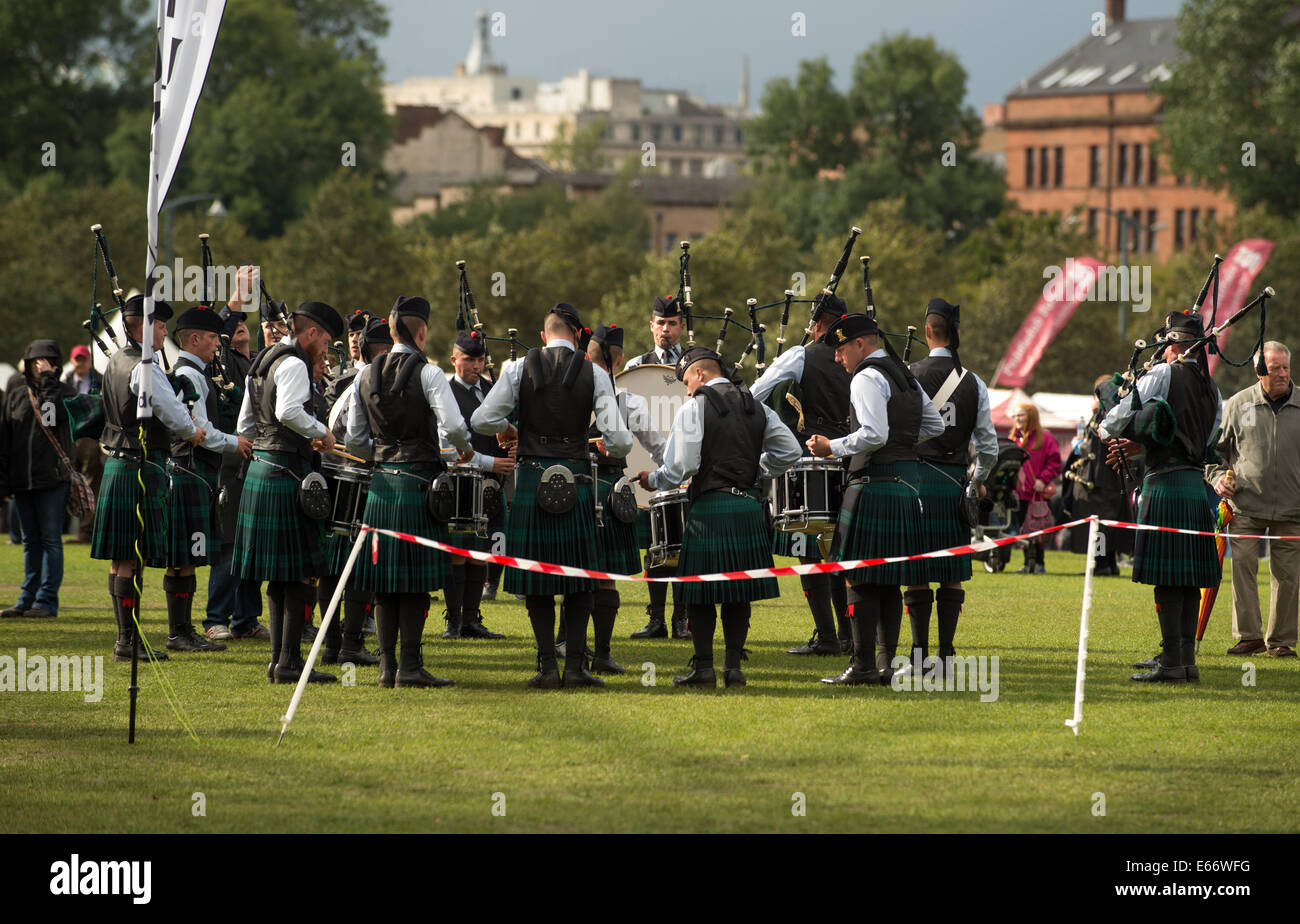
675, 166
1210, 213
516, 93
677, 133
1192, 220
698, 136
697, 166
1094, 165
636, 131
1151, 230
1058, 178
1137, 165
1180, 228
1181, 179
1092, 222
1042, 166
670, 241
1121, 178
1135, 238
1151, 169
656, 132
740, 138
1029, 166
717, 135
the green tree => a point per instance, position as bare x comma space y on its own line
64, 72
803, 127
1238, 84
293, 92
487, 209
581, 152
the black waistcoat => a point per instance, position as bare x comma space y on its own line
271, 435
211, 406
404, 427
557, 394
121, 426
1194, 401
825, 394
959, 412
485, 443
732, 441
904, 415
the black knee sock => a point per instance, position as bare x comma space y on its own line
356, 607
454, 593
577, 610
275, 617
122, 588
299, 603
735, 630
704, 620
817, 591
1191, 615
864, 617
919, 603
179, 590
658, 596
541, 613
472, 592
948, 602
603, 612
840, 601
1169, 613
412, 611
891, 622
387, 610
494, 575
325, 588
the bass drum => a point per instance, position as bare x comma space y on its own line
664, 395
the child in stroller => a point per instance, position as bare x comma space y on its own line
999, 505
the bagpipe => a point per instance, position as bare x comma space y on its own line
230, 394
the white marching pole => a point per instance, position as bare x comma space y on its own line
1081, 668
320, 636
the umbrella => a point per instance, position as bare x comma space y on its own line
1208, 594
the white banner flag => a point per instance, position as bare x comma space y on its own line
186, 32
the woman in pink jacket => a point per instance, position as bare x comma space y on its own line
1036, 475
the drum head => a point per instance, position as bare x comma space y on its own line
664, 395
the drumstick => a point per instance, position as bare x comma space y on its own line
349, 456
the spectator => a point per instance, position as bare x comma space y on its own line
89, 460
35, 474
1260, 442
1036, 475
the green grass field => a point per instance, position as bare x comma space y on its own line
652, 758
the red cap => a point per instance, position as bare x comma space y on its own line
80, 350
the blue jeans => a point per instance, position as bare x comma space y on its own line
232, 603
15, 528
41, 514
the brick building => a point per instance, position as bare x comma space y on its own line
1078, 134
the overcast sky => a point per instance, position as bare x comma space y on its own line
697, 45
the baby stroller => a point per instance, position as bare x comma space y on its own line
1000, 503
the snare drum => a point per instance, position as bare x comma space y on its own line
667, 526
476, 499
806, 499
348, 485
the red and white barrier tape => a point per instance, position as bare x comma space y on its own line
825, 567
1227, 534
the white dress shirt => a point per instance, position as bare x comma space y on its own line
491, 415
682, 454
984, 436
788, 367
344, 401
166, 406
869, 393
437, 393
666, 357
292, 392
1151, 387
215, 440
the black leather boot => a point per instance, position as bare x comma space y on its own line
577, 610
541, 614
325, 587
919, 604
681, 622
817, 591
356, 608
704, 620
1169, 606
386, 622
603, 613
888, 630
410, 668
655, 627
299, 601
864, 615
130, 613
455, 593
698, 675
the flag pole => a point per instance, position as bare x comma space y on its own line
1081, 667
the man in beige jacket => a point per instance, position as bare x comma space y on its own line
1260, 443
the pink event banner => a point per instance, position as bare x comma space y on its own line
1239, 269
1061, 296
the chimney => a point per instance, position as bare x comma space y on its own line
1115, 10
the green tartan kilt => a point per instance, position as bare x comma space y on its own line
274, 540
1176, 499
940, 495
191, 509
616, 541
562, 539
115, 529
397, 502
725, 532
884, 522
643, 536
